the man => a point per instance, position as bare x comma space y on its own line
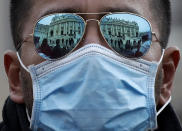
100, 86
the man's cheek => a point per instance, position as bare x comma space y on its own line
27, 87
158, 85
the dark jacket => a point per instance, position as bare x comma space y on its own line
15, 118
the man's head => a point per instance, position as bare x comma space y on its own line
25, 14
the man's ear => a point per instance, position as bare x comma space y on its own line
169, 65
12, 68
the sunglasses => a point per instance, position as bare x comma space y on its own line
57, 35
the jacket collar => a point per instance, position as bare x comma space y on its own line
14, 116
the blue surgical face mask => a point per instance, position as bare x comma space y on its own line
93, 89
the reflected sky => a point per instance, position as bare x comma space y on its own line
47, 20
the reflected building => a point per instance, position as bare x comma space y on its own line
41, 33
64, 31
121, 34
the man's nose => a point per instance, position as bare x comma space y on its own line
92, 34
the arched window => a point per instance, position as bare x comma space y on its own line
57, 41
62, 28
109, 32
136, 34
79, 30
51, 33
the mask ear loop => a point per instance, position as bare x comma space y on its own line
163, 50
28, 116
21, 63
164, 106
169, 100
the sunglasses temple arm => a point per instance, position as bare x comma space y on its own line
156, 39
20, 43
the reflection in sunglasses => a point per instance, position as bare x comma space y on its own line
58, 34
126, 35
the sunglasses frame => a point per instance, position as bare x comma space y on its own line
85, 25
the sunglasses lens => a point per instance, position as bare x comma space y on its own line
57, 35
128, 34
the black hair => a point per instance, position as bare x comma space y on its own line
20, 9
162, 14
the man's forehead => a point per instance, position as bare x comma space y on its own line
92, 6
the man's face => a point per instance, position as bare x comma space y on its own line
92, 33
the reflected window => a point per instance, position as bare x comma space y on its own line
119, 34
136, 34
79, 30
51, 33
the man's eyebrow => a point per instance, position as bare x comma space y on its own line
118, 9
76, 10
61, 10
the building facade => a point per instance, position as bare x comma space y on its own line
65, 30
120, 33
